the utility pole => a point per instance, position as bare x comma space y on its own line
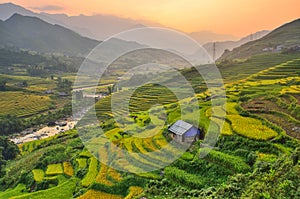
214, 51
251, 37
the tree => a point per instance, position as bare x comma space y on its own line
3, 85
109, 90
8, 151
10, 124
25, 84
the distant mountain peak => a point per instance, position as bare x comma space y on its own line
32, 33
10, 4
21, 18
205, 36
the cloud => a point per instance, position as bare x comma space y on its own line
48, 8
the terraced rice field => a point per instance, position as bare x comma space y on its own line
38, 174
68, 168
82, 162
92, 173
251, 128
280, 106
64, 190
36, 84
92, 194
142, 99
253, 65
54, 169
21, 105
133, 192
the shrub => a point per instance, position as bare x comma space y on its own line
233, 163
184, 178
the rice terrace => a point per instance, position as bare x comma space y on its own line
137, 131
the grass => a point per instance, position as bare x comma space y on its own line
54, 169
38, 174
21, 104
13, 192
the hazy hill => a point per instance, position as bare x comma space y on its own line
221, 46
203, 37
286, 36
34, 34
8, 9
98, 26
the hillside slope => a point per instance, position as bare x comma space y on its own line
284, 37
221, 46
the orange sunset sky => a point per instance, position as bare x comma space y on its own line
236, 17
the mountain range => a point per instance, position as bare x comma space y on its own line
59, 33
100, 27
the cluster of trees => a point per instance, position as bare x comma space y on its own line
37, 64
8, 151
10, 57
269, 180
36, 71
114, 88
64, 84
10, 125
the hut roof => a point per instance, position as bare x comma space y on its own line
180, 127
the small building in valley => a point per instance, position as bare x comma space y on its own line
63, 94
184, 132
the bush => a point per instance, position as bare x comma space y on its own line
233, 163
